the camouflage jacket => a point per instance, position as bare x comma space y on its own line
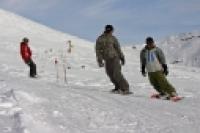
108, 47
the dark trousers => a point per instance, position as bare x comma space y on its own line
32, 65
113, 70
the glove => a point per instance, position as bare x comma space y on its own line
122, 60
143, 71
165, 69
101, 64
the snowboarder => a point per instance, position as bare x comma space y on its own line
153, 60
26, 54
108, 52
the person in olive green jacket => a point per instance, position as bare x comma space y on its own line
153, 60
108, 52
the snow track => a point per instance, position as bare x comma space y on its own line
84, 106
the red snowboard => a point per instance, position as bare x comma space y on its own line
174, 99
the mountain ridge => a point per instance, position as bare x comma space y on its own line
183, 48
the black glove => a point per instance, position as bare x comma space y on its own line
143, 71
122, 60
165, 69
100, 63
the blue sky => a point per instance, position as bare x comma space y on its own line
133, 20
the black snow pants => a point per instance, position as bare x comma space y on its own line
32, 65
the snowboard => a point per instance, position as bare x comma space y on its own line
174, 99
118, 92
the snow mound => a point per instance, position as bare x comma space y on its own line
183, 48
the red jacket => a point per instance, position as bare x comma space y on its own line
25, 51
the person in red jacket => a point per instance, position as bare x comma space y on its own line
26, 54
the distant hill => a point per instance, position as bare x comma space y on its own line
183, 48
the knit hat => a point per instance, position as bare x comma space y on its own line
108, 28
149, 40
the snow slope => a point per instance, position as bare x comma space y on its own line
183, 48
84, 104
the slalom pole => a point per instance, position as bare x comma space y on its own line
56, 66
65, 73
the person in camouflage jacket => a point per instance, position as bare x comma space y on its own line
108, 53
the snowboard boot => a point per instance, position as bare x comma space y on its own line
34, 76
126, 92
115, 90
160, 96
165, 97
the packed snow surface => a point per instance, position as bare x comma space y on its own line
83, 103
